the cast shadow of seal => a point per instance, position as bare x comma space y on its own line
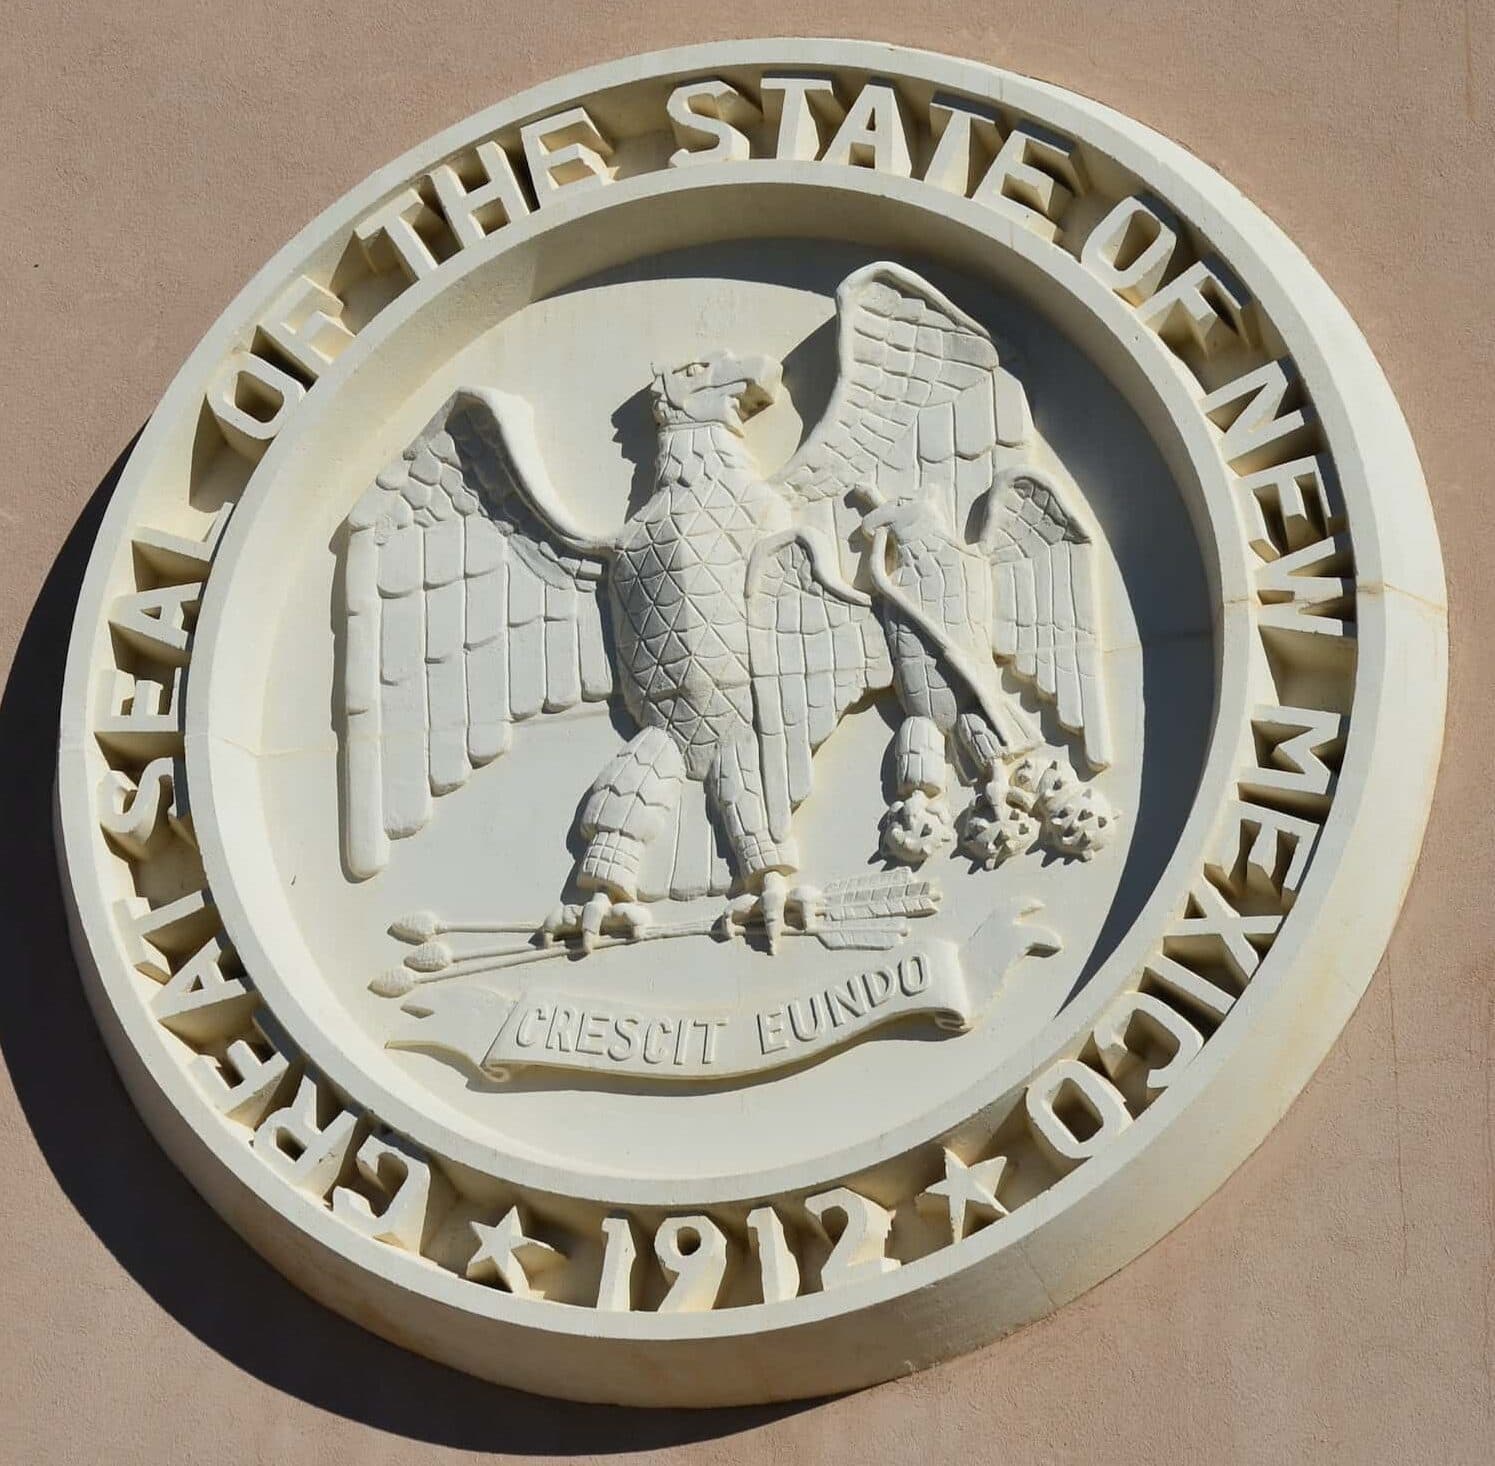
144, 1211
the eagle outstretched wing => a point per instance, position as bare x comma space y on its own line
815, 647
921, 404
471, 603
925, 414
1044, 614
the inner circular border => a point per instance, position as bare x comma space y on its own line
720, 196
1174, 1155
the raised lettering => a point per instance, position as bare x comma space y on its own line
615, 1289
715, 111
778, 1269
956, 130
250, 399
1202, 306
693, 1253
393, 1169
131, 810
859, 1246
395, 236
199, 1001
798, 105
1033, 178
299, 1146
565, 152
306, 324
874, 133
1131, 1034
1249, 412
1130, 250
1073, 1112
494, 198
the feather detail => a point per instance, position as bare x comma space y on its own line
814, 648
469, 603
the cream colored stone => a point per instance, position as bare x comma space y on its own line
1257, 633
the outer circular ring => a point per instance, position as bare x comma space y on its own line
1101, 1214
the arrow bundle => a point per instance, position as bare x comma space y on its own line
867, 913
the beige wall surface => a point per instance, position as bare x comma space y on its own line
1334, 1302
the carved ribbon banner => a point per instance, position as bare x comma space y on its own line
499, 1033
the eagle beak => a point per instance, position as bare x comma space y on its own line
762, 377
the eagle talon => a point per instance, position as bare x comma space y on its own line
778, 908
597, 917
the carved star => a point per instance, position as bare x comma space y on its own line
505, 1255
968, 1193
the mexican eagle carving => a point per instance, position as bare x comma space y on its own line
738, 617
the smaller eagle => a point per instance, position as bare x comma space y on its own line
909, 544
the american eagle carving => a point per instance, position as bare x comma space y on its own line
738, 617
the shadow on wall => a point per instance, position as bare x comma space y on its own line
163, 1234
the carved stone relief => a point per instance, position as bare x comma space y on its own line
790, 718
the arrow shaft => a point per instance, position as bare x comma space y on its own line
483, 928
500, 959
842, 918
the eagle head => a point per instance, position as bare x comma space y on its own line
716, 388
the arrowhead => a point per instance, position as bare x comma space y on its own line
419, 926
432, 957
392, 984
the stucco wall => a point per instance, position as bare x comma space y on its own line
1334, 1302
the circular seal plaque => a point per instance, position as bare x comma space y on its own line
748, 720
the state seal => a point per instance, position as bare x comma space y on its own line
748, 720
